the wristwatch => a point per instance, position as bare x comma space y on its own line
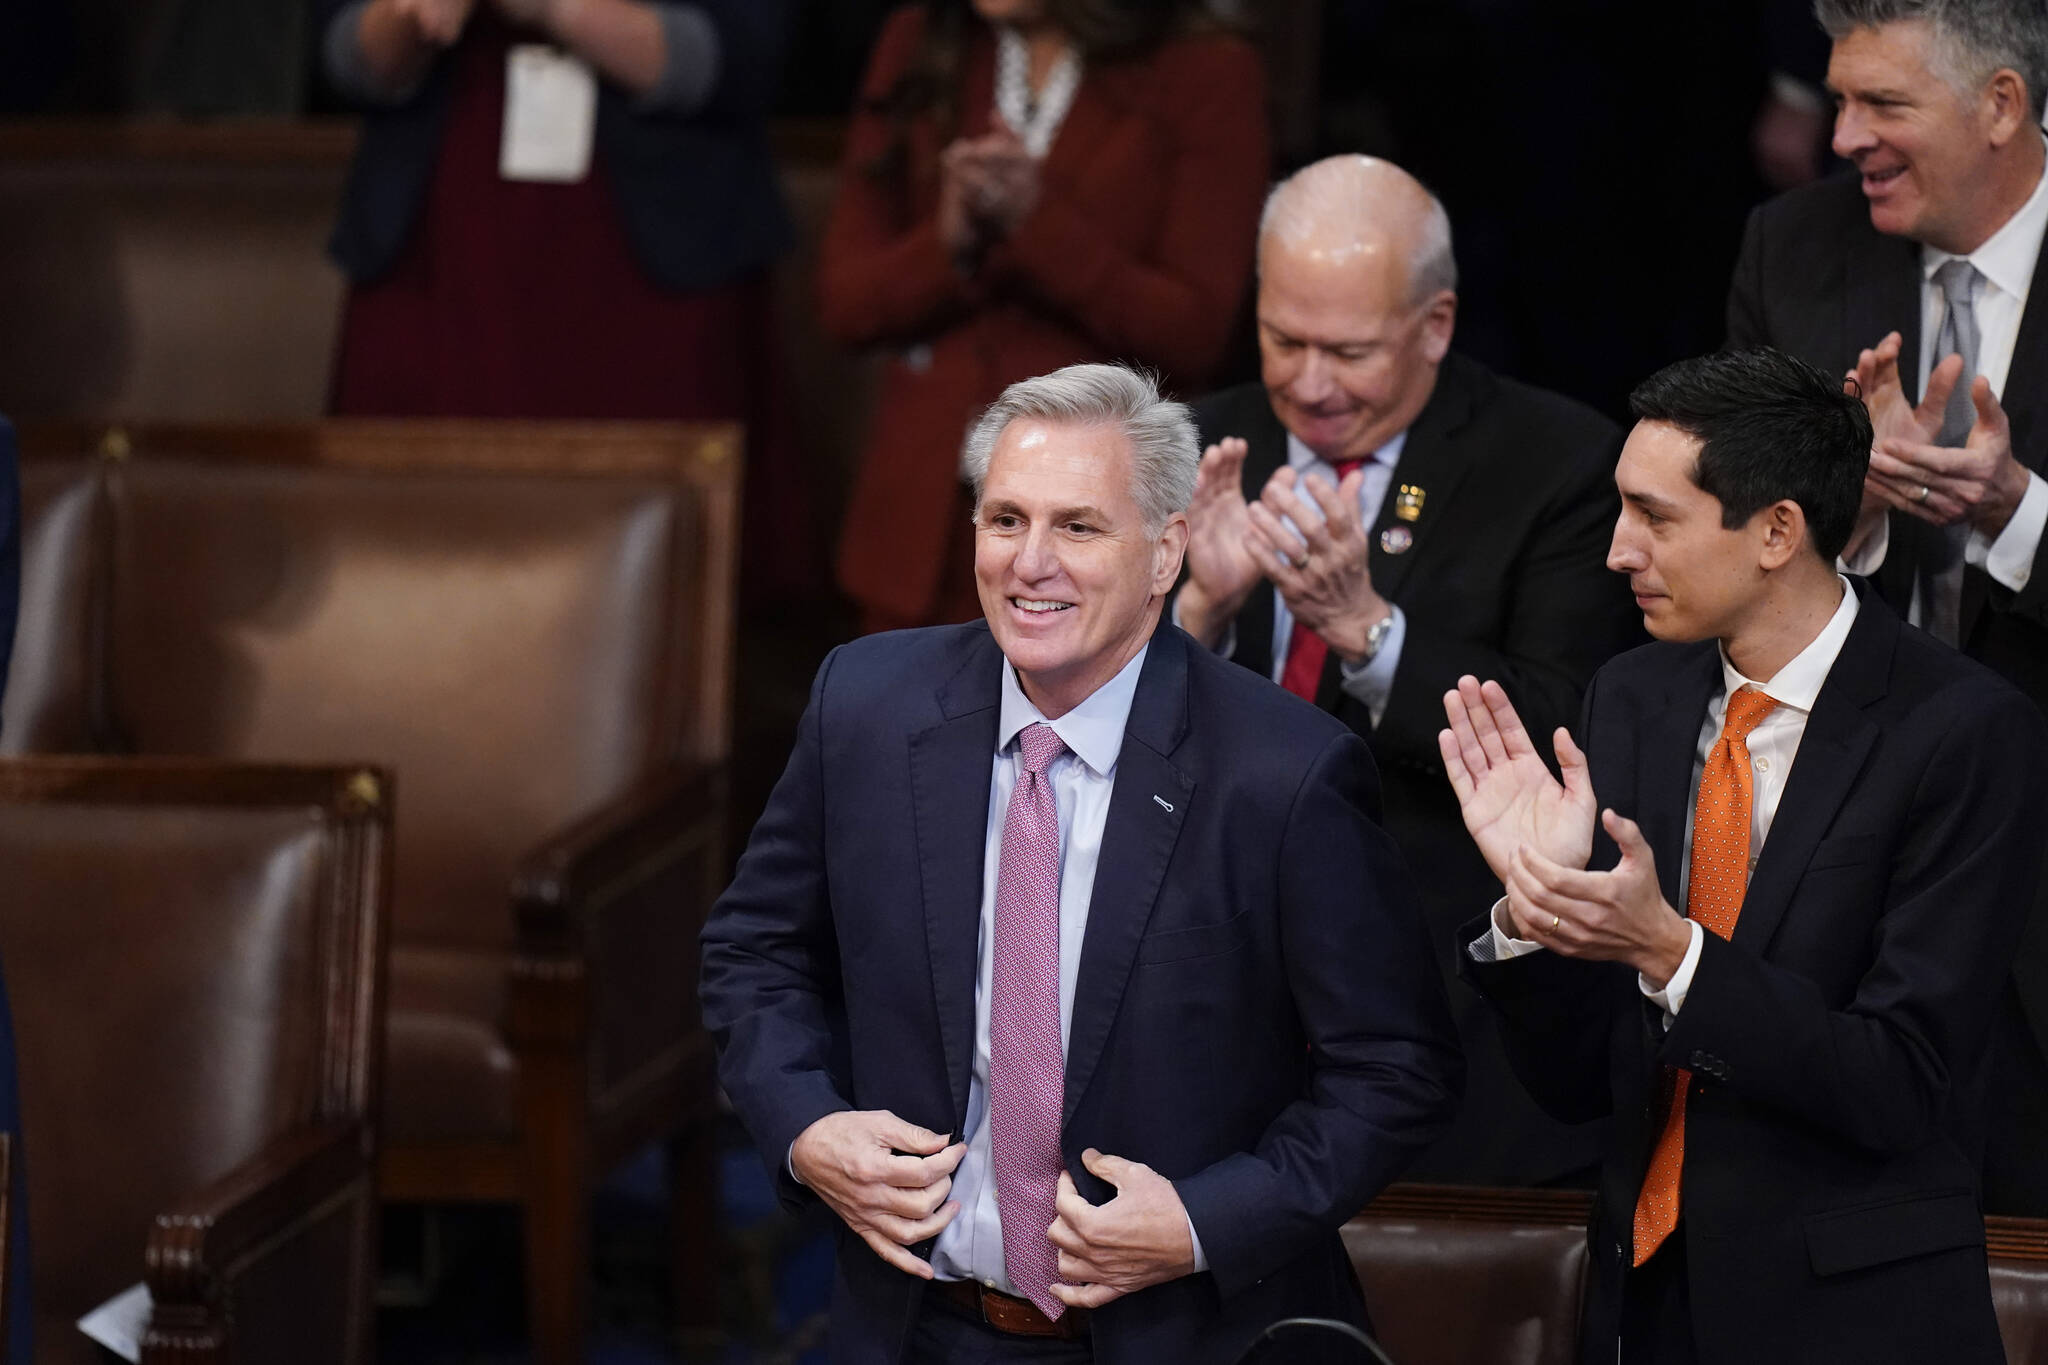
1375, 636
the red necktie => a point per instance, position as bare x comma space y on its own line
1026, 1066
1306, 650
1713, 896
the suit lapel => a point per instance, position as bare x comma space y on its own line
949, 785
2023, 402
1664, 773
1883, 295
1831, 754
1147, 806
1433, 460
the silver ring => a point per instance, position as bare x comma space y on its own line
1921, 496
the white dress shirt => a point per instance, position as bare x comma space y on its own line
1772, 745
971, 1246
2005, 273
1372, 681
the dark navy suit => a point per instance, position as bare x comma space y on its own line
1837, 1043
1256, 1017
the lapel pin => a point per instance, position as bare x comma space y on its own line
1395, 540
1164, 804
1408, 502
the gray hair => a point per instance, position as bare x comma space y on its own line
1161, 432
1349, 193
1973, 39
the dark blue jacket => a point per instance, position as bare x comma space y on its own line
698, 195
1257, 1015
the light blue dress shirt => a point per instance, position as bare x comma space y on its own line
971, 1247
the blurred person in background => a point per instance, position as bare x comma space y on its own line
566, 209
1027, 184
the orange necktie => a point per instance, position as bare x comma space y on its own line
1306, 650
1720, 876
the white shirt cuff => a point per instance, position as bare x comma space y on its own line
1372, 682
1869, 556
2009, 559
1671, 999
1201, 1261
1497, 944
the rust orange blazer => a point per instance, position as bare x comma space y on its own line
1140, 249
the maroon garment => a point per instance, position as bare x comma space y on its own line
525, 300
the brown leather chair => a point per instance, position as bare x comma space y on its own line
2019, 1286
1459, 1275
50, 684
194, 953
531, 625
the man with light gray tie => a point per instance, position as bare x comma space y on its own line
1069, 964
1915, 275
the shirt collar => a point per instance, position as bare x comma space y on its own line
1094, 730
1303, 459
1798, 683
2007, 257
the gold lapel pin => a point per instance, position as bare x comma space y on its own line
1408, 502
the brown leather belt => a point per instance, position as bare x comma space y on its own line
1007, 1313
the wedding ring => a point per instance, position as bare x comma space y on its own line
1555, 920
1921, 496
1301, 563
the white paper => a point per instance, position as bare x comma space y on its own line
120, 1322
550, 115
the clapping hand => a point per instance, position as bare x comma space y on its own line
1221, 568
1323, 568
1508, 797
440, 22
1979, 482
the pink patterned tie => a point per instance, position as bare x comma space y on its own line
1026, 1080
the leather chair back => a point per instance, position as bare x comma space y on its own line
49, 695
1457, 1276
463, 602
2019, 1286
194, 959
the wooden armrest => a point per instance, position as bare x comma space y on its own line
1482, 1203
197, 1245
604, 856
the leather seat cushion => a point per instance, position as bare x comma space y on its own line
449, 1075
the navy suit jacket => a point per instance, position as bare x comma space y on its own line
1837, 1042
1256, 1015
698, 196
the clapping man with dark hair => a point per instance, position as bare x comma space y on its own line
1763, 919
